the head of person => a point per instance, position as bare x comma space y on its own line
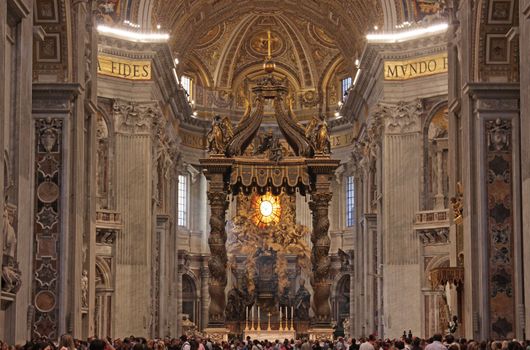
66, 341
437, 337
97, 344
371, 338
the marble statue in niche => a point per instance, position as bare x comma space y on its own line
84, 289
102, 163
11, 274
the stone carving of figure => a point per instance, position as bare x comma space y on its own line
235, 305
10, 238
220, 133
302, 302
84, 289
317, 132
266, 143
11, 280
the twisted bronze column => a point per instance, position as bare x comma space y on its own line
320, 260
217, 264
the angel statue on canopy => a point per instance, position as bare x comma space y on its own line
219, 135
317, 132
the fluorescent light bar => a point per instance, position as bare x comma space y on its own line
407, 35
356, 77
132, 36
176, 76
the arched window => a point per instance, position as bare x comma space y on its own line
187, 85
345, 84
183, 201
350, 201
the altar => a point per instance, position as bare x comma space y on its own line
271, 335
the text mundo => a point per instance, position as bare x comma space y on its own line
403, 70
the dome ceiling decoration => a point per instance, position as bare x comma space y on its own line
221, 44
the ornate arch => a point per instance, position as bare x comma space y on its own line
435, 262
104, 278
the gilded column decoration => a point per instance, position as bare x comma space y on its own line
48, 162
218, 257
500, 229
320, 258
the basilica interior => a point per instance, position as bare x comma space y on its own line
265, 168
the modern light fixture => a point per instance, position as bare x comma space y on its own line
408, 34
132, 36
357, 75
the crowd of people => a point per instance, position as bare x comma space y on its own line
437, 342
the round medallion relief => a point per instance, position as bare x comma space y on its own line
45, 301
258, 44
48, 192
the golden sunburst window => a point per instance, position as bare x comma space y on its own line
266, 210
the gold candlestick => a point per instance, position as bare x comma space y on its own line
246, 319
253, 328
259, 320
269, 325
281, 325
292, 318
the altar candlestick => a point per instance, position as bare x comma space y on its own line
246, 318
292, 318
269, 325
286, 318
253, 319
259, 321
281, 325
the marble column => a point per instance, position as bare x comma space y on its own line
54, 253
492, 209
524, 71
401, 168
134, 125
204, 300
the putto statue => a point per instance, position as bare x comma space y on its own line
317, 131
219, 135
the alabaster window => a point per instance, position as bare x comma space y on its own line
187, 84
345, 84
183, 200
350, 201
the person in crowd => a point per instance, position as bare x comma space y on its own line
368, 344
436, 343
